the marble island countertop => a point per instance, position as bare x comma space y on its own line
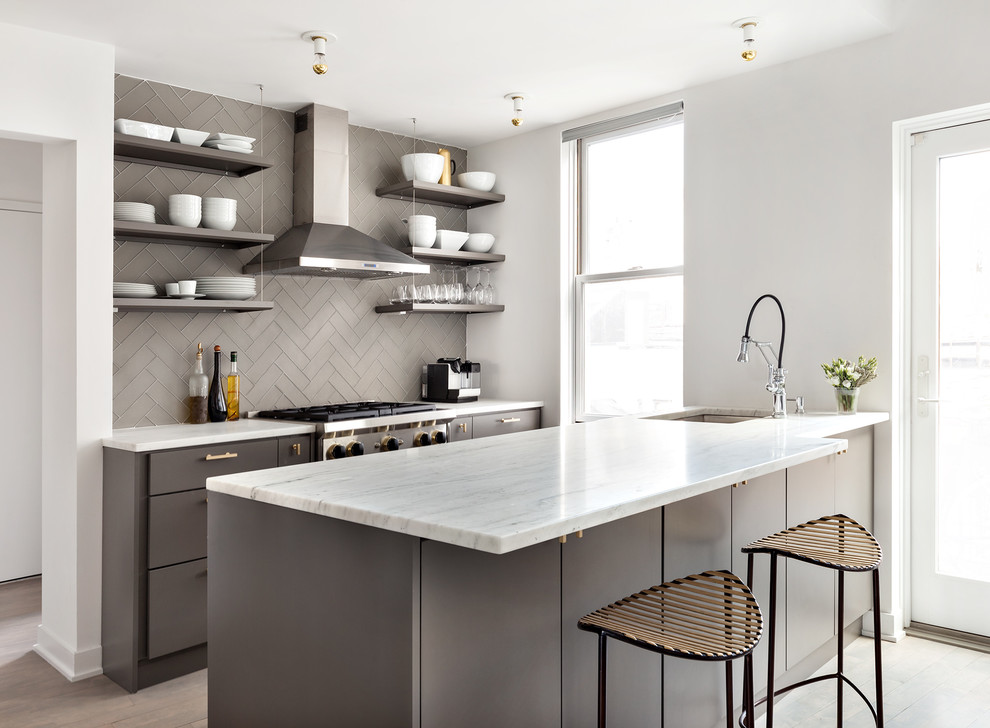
499, 494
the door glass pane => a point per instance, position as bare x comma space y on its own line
634, 200
964, 373
634, 340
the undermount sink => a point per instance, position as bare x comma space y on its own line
723, 417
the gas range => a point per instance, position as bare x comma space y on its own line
351, 429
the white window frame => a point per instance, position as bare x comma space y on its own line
578, 138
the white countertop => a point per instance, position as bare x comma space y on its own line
499, 494
163, 437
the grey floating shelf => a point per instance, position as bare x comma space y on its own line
460, 257
439, 308
127, 148
436, 194
146, 232
177, 305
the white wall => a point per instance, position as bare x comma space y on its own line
788, 191
20, 326
64, 100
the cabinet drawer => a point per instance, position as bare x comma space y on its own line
175, 470
176, 527
294, 450
505, 422
461, 429
176, 608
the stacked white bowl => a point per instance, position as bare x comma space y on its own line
185, 210
422, 167
219, 213
231, 288
422, 230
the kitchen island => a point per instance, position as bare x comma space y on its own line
437, 586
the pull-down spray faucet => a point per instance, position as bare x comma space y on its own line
776, 374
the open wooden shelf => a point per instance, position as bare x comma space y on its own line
146, 232
127, 148
460, 257
436, 194
177, 305
439, 308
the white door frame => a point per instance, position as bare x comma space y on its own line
901, 402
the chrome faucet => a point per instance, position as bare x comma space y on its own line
776, 374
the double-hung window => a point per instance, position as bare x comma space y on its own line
629, 263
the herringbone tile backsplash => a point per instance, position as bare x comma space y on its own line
323, 342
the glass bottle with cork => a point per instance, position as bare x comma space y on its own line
233, 390
199, 387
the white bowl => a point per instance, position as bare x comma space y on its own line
422, 167
479, 242
181, 201
219, 220
481, 181
421, 220
192, 137
451, 239
185, 218
144, 129
422, 237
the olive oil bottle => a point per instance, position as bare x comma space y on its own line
233, 390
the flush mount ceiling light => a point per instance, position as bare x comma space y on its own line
748, 26
319, 39
516, 98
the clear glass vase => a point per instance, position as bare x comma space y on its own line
846, 400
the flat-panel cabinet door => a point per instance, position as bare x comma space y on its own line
610, 562
176, 607
696, 538
502, 423
854, 498
188, 468
492, 625
810, 589
176, 527
295, 450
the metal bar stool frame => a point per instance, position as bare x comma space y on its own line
671, 619
835, 542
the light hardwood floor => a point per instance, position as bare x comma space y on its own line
33, 694
926, 685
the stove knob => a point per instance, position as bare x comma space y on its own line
390, 443
439, 437
355, 448
336, 452
421, 440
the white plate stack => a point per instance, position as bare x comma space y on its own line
134, 290
134, 211
230, 288
230, 143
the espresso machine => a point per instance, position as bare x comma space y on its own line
451, 380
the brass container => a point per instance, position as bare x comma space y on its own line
448, 166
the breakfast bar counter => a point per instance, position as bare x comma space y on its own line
440, 586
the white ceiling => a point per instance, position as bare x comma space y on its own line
450, 62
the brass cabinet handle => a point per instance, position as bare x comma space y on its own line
509, 419
296, 449
225, 456
463, 426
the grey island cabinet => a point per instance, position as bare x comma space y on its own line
154, 537
442, 586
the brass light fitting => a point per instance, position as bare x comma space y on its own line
319, 39
748, 26
516, 97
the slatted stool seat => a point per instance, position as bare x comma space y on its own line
709, 616
833, 542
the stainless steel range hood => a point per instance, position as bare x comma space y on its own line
321, 243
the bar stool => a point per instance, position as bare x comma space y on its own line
834, 542
710, 616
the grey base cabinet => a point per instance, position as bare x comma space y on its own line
155, 554
467, 427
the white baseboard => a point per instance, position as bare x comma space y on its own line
891, 626
73, 665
